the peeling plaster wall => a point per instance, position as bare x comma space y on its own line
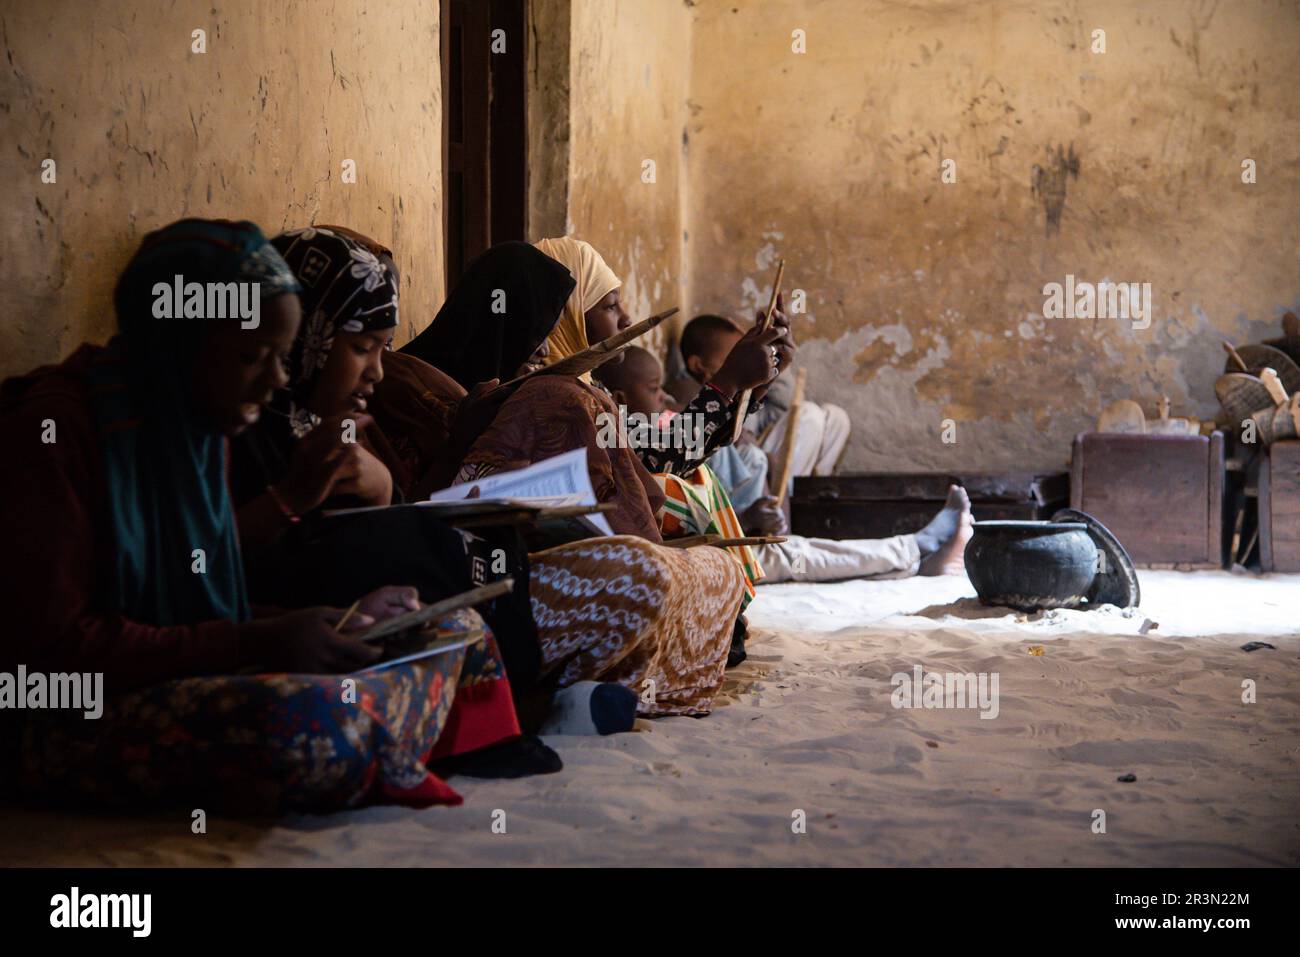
628, 75
144, 131
924, 299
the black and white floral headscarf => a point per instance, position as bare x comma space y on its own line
349, 284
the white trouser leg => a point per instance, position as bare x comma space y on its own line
808, 440
835, 435
827, 560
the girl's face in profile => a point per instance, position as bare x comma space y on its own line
240, 369
354, 367
606, 318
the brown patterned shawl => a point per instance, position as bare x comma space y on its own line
550, 415
415, 406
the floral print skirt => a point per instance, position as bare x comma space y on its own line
270, 743
656, 619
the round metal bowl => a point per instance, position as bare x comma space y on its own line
1031, 565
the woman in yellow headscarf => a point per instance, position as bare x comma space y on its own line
695, 502
594, 311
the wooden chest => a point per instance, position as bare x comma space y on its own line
881, 504
1279, 507
1160, 495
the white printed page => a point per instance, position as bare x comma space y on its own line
551, 483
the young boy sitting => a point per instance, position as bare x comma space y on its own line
934, 550
822, 430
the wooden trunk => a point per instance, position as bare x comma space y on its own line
1279, 507
1160, 495
882, 504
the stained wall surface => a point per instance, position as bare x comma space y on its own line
924, 298
144, 131
629, 71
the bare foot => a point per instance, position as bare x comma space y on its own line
952, 528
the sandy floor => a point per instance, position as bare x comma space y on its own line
807, 725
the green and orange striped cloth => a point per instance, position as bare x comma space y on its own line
698, 505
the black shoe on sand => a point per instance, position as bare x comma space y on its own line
520, 758
737, 653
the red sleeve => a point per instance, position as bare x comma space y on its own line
53, 593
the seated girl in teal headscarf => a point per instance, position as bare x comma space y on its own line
115, 492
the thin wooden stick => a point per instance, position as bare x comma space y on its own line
593, 356
1250, 546
787, 457
417, 619
1236, 530
347, 614
1232, 351
763, 326
720, 541
776, 294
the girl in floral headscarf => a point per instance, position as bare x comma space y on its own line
314, 444
319, 447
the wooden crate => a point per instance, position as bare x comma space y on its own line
1279, 507
882, 504
1160, 495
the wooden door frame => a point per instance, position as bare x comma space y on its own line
485, 104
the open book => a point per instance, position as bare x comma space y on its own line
560, 483
554, 496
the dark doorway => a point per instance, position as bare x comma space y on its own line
484, 127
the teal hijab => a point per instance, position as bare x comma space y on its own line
177, 557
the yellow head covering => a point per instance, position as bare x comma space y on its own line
594, 281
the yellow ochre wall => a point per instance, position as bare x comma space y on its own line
924, 299
629, 68
145, 131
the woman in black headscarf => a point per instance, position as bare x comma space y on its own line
616, 614
438, 393
500, 312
